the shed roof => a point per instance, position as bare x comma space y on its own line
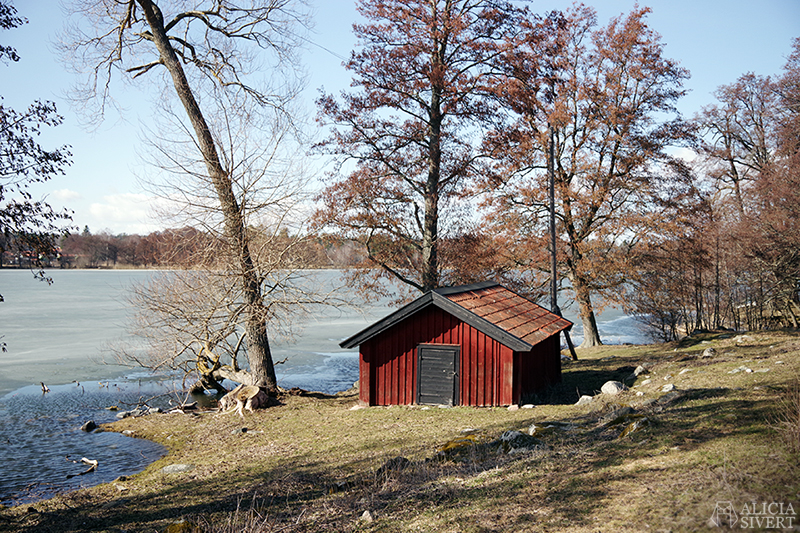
492, 309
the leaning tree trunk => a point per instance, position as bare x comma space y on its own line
258, 351
591, 336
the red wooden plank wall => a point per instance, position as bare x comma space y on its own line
537, 369
388, 380
490, 373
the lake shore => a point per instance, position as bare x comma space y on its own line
315, 463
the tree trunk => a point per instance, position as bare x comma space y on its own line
591, 336
207, 382
430, 230
258, 351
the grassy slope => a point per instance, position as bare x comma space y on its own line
310, 464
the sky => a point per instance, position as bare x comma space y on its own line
716, 40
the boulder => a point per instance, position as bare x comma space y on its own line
612, 388
89, 426
742, 340
584, 400
513, 441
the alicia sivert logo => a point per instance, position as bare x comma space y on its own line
724, 515
754, 515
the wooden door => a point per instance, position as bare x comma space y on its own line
437, 374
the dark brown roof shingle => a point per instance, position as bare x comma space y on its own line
498, 312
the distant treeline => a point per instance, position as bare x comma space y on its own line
170, 248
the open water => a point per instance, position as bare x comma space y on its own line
58, 334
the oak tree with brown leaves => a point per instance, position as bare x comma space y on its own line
602, 93
406, 136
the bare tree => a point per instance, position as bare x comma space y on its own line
739, 135
211, 51
195, 319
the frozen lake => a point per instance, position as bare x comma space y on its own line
58, 334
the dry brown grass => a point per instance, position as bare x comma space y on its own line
786, 420
312, 464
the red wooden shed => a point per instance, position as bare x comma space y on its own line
479, 344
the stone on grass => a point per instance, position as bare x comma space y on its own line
634, 426
670, 398
177, 468
513, 407
709, 352
584, 400
744, 339
646, 382
668, 388
639, 371
513, 441
612, 388
617, 416
366, 516
133, 412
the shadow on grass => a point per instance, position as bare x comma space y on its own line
578, 382
570, 481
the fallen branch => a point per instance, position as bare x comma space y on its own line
86, 461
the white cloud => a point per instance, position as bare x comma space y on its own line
123, 213
65, 195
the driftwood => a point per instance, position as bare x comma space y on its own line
243, 397
85, 461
